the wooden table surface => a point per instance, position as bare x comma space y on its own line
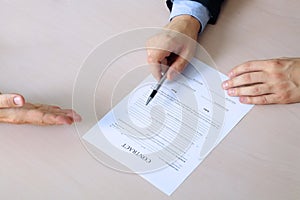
44, 43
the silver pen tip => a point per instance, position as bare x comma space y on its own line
148, 100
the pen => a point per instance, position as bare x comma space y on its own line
156, 88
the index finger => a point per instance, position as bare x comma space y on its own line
156, 58
250, 66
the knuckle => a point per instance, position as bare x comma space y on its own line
278, 76
230, 83
247, 78
276, 63
5, 101
248, 100
8, 101
256, 89
264, 99
283, 86
269, 88
270, 63
284, 97
247, 65
150, 59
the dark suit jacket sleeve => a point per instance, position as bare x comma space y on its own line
213, 7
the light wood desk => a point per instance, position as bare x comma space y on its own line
43, 44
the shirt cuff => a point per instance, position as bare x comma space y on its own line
193, 8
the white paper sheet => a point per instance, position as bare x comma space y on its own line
166, 140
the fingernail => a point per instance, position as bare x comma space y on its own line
18, 101
225, 85
231, 92
230, 74
243, 99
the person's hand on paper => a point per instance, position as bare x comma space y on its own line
266, 81
13, 109
173, 47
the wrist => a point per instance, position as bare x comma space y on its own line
189, 21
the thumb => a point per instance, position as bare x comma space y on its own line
11, 100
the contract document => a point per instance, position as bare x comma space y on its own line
166, 140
